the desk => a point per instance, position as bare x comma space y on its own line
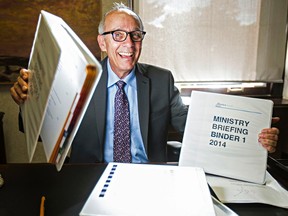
66, 191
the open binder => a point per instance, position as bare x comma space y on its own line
64, 75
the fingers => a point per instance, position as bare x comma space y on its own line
269, 145
15, 95
22, 85
24, 74
20, 88
270, 149
268, 138
270, 131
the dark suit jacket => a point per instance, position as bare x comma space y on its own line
159, 104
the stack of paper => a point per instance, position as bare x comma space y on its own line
141, 190
233, 191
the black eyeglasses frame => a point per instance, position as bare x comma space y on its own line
130, 33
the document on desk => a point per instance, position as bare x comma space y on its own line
235, 191
63, 76
221, 135
142, 189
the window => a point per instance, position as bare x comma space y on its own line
204, 41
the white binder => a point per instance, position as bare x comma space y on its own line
221, 135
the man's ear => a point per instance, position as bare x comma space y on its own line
101, 43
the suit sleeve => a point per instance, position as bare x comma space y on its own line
177, 108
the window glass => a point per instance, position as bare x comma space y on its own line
215, 40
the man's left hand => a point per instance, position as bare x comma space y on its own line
268, 137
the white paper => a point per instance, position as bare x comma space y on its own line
239, 120
221, 209
58, 71
141, 190
45, 63
234, 191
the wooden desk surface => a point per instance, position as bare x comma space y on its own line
67, 191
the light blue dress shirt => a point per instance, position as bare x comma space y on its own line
137, 147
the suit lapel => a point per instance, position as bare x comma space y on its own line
100, 103
143, 103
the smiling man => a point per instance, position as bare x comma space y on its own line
120, 36
153, 100
133, 105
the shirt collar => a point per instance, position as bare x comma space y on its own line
130, 79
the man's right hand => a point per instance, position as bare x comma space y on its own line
20, 88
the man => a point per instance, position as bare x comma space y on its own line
154, 102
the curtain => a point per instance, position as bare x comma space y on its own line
215, 40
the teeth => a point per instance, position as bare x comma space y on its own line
126, 53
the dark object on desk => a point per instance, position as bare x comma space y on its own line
2, 143
173, 151
279, 169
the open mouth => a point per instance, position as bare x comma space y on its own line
126, 54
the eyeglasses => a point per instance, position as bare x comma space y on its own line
120, 35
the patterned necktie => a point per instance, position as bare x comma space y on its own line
121, 147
